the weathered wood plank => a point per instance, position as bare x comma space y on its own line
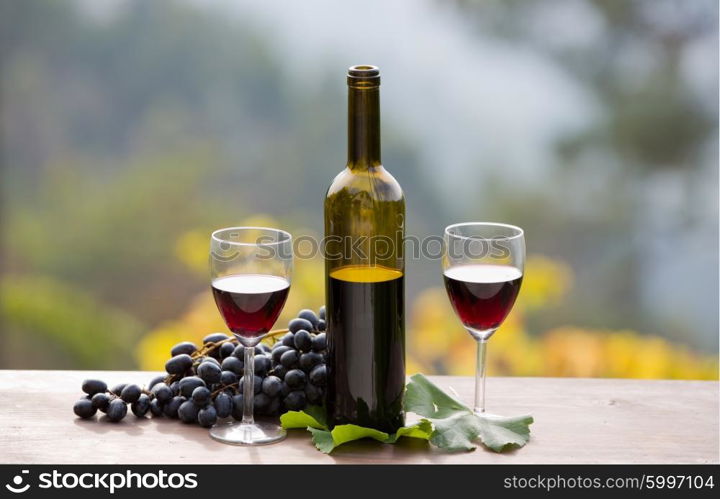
576, 421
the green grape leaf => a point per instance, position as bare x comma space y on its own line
348, 432
300, 419
318, 413
422, 429
426, 399
456, 433
322, 439
500, 433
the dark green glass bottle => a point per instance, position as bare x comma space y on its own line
364, 272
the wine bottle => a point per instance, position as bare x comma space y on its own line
364, 273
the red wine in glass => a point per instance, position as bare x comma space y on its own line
482, 294
250, 303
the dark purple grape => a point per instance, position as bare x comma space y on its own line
318, 375
228, 378
309, 316
297, 324
313, 393
223, 405
288, 340
156, 408
303, 340
322, 325
171, 408
274, 408
179, 364
100, 401
84, 408
239, 352
207, 416
209, 372
188, 411
215, 337
130, 393
321, 313
261, 402
233, 364
227, 349
117, 389
319, 342
188, 384
237, 409
162, 392
155, 381
295, 378
201, 396
295, 401
93, 386
285, 390
310, 360
116, 410
141, 406
262, 347
271, 386
279, 371
175, 387
262, 365
185, 347
257, 386
290, 359
278, 351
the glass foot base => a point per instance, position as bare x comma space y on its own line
258, 433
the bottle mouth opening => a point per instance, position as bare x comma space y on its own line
363, 75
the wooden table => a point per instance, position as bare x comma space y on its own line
576, 421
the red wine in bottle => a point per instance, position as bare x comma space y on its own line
482, 294
250, 303
364, 268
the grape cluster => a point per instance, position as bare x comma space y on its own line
205, 384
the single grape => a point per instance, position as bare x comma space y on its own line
274, 408
223, 405
321, 313
188, 384
239, 352
207, 416
303, 341
313, 393
84, 408
155, 381
295, 378
179, 364
288, 340
318, 375
261, 402
117, 389
295, 401
215, 337
141, 406
290, 359
309, 316
319, 342
310, 360
280, 371
322, 325
227, 349
185, 347
175, 387
228, 378
171, 408
188, 411
262, 365
297, 324
237, 409
257, 385
263, 348
271, 386
156, 408
100, 401
130, 393
212, 360
278, 351
162, 392
233, 364
116, 410
209, 372
201, 396
93, 386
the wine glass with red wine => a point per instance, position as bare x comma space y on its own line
483, 267
250, 269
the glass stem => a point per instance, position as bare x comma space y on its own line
249, 386
480, 377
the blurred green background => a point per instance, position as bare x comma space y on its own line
131, 129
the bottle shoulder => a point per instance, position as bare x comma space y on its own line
376, 182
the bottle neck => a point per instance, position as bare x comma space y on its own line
363, 126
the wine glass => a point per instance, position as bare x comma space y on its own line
483, 269
250, 269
